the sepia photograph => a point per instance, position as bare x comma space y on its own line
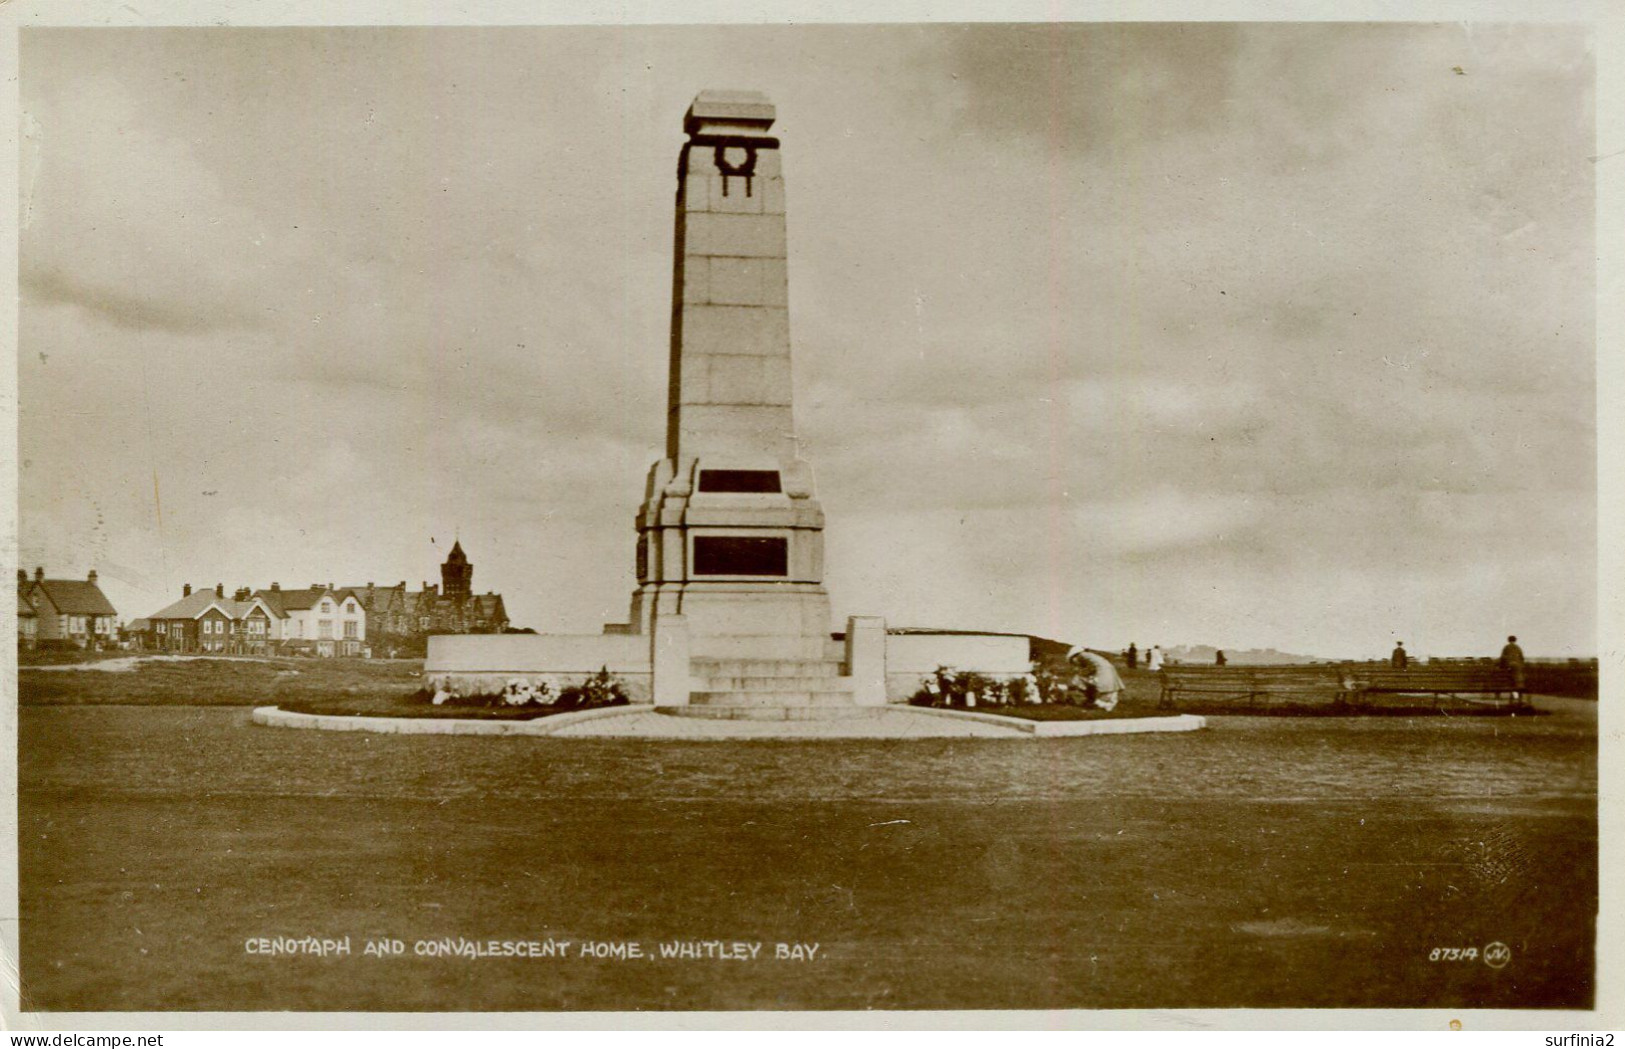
807, 518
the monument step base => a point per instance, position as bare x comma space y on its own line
713, 668
772, 713
766, 683
751, 647
773, 698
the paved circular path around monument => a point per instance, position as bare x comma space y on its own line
644, 722
884, 724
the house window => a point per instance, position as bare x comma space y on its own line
350, 608
349, 629
327, 606
324, 629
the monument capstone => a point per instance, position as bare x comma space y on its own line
730, 617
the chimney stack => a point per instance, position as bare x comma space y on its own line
219, 590
91, 578
186, 590
242, 594
276, 588
22, 576
39, 575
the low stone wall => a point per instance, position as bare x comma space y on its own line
471, 664
911, 658
1101, 727
542, 726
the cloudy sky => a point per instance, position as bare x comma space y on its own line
1246, 335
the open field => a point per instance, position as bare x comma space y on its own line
221, 681
387, 688
1264, 862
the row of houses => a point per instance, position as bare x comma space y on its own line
319, 620
324, 619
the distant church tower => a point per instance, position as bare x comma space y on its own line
457, 575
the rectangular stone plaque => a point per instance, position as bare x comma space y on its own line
739, 481
741, 555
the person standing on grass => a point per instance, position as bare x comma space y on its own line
1399, 659
1153, 659
1218, 658
1512, 660
1106, 687
1133, 656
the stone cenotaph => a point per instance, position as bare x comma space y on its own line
730, 617
731, 534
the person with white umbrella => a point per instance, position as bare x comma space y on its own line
1108, 686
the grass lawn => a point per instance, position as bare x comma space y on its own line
50, 657
1143, 693
1064, 712
414, 705
1262, 862
222, 681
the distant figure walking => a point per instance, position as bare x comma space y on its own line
1399, 659
1133, 656
1218, 658
1153, 659
1106, 687
1512, 660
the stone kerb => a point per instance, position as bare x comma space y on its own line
275, 717
1101, 727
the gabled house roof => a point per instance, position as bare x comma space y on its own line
76, 597
198, 603
282, 602
189, 607
24, 608
234, 609
379, 599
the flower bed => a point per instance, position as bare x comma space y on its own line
518, 701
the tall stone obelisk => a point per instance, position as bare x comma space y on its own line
730, 534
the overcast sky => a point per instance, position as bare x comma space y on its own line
1262, 335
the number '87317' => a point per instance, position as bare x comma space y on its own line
1453, 954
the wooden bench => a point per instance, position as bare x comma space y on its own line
1448, 680
1249, 684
